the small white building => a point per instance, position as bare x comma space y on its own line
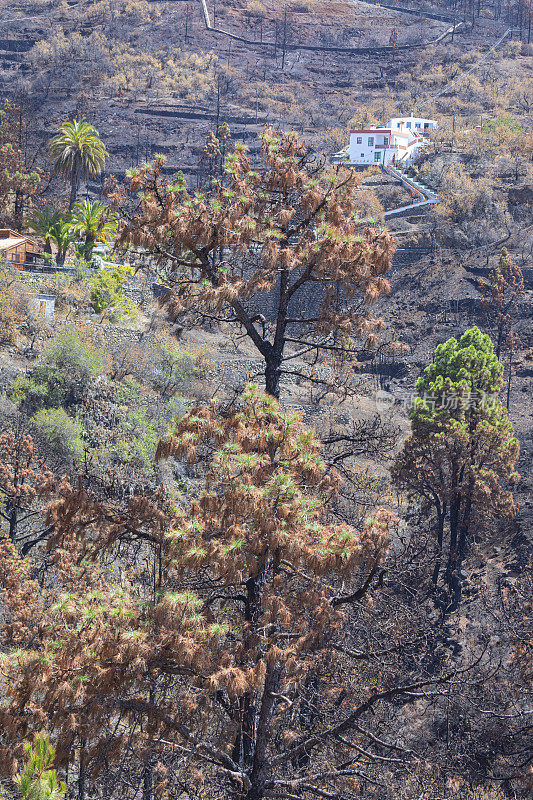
396, 143
44, 305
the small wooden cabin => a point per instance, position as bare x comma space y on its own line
18, 249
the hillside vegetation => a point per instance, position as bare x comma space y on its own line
265, 416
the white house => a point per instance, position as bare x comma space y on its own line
398, 142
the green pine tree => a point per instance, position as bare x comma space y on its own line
459, 461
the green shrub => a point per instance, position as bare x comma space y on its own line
107, 292
28, 391
172, 367
59, 431
138, 444
175, 408
129, 390
62, 374
501, 123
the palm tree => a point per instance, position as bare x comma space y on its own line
62, 235
78, 153
43, 223
92, 221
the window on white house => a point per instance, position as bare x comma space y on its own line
377, 156
370, 141
359, 140
408, 124
398, 124
417, 125
385, 140
362, 155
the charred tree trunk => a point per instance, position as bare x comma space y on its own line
451, 567
148, 781
308, 714
441, 516
272, 378
462, 543
13, 513
261, 766
244, 746
19, 207
148, 769
275, 356
509, 379
81, 772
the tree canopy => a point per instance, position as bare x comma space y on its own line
77, 153
289, 229
460, 458
91, 221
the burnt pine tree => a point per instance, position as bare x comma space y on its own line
24, 481
233, 671
286, 228
501, 296
20, 181
459, 460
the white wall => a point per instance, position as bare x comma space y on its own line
410, 124
363, 152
